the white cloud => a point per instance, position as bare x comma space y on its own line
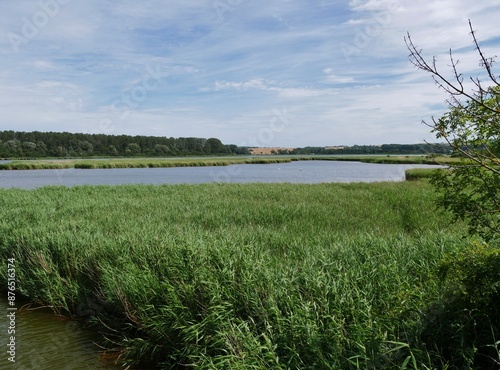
341, 68
332, 78
373, 5
273, 87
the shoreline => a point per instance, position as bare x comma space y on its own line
151, 162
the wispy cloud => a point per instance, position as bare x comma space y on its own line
340, 68
273, 87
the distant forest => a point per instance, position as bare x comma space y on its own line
14, 144
36, 144
396, 149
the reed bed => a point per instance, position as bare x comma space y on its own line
237, 276
34, 165
136, 163
406, 159
414, 174
43, 164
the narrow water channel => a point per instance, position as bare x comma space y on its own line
44, 341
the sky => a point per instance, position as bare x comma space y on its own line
288, 73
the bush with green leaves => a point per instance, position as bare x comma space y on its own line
471, 188
464, 325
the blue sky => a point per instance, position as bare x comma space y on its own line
256, 73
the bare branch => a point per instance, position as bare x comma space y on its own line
472, 129
453, 88
486, 63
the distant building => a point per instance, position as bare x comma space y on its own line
338, 147
269, 151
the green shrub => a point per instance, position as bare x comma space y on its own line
85, 165
475, 274
420, 173
464, 325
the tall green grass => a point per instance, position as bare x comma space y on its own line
238, 276
137, 163
34, 165
414, 174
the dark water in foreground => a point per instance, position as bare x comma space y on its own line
44, 341
295, 172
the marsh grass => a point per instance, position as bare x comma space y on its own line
44, 164
136, 163
414, 174
30, 165
403, 159
237, 276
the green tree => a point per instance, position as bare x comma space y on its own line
214, 146
112, 150
41, 148
160, 149
85, 148
133, 148
14, 146
471, 187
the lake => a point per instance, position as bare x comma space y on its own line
305, 172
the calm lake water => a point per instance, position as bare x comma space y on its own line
44, 341
294, 172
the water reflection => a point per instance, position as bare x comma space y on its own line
294, 172
44, 341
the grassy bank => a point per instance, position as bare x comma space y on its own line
44, 164
383, 159
407, 159
228, 276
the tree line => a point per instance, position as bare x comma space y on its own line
15, 144
378, 149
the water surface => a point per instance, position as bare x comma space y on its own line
306, 172
44, 341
